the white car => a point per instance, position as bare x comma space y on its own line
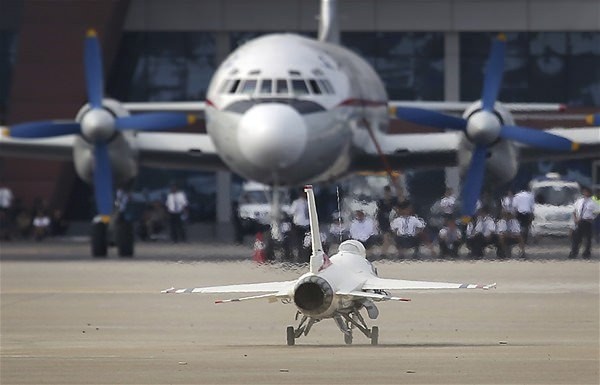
553, 210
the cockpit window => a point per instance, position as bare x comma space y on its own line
282, 86
266, 86
314, 87
299, 87
248, 87
225, 86
326, 86
233, 86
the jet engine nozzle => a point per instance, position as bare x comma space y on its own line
272, 136
313, 295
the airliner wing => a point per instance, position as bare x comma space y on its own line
376, 283
58, 148
178, 150
430, 150
460, 107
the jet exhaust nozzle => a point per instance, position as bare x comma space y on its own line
313, 295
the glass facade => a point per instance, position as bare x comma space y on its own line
411, 64
558, 67
163, 66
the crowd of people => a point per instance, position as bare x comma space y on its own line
497, 227
20, 222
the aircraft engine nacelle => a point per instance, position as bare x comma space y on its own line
313, 296
501, 162
123, 157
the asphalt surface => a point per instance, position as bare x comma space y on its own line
69, 319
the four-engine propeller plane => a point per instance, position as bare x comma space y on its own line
286, 110
338, 287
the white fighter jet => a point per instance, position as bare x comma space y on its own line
337, 287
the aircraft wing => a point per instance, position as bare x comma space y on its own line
58, 148
431, 150
376, 283
460, 107
266, 287
373, 296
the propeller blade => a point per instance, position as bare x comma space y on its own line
538, 138
474, 181
493, 74
429, 118
93, 70
593, 120
154, 121
103, 184
44, 129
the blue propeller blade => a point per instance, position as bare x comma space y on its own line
154, 121
93, 70
493, 74
474, 181
593, 120
537, 138
430, 118
44, 129
103, 184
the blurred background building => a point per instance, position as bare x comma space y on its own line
158, 50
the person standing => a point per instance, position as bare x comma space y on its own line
523, 203
584, 212
363, 229
507, 202
385, 206
177, 205
448, 203
6, 214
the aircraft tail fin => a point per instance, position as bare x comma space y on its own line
329, 30
318, 257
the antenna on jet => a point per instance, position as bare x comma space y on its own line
329, 30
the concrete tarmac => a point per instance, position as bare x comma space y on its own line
68, 319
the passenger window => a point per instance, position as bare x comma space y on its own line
234, 85
326, 86
282, 86
314, 86
266, 86
299, 87
248, 87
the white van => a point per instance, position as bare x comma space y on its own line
553, 210
254, 206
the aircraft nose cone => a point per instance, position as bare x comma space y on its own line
483, 127
272, 135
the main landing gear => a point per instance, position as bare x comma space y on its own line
123, 237
345, 321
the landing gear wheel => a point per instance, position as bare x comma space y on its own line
374, 335
291, 336
99, 241
348, 339
124, 238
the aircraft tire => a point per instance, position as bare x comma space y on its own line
348, 339
124, 237
291, 336
99, 242
374, 335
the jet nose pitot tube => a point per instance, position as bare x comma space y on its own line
272, 136
313, 295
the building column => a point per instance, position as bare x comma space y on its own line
223, 225
452, 92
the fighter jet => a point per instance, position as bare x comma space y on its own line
338, 288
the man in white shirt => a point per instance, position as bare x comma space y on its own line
481, 232
509, 233
407, 229
449, 239
448, 203
177, 205
363, 229
585, 210
523, 203
507, 202
41, 225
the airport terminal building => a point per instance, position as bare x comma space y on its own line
157, 50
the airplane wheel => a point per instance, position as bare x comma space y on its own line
124, 238
291, 336
348, 339
374, 335
99, 240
